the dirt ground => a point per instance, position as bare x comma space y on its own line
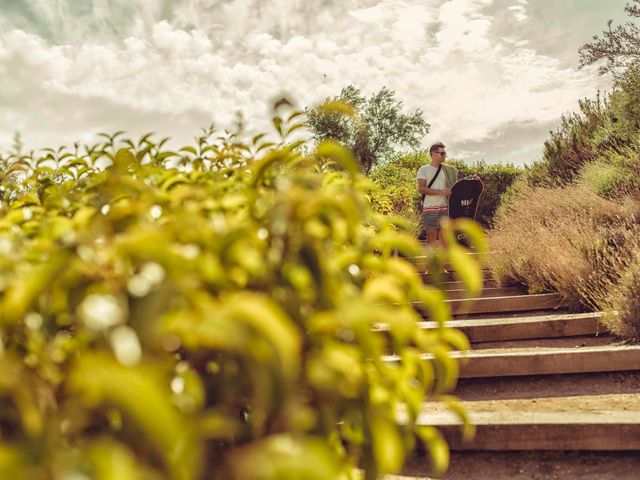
533, 466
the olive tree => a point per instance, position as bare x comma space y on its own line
372, 128
618, 47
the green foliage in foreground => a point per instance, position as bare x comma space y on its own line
211, 321
398, 190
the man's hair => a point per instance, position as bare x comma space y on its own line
435, 147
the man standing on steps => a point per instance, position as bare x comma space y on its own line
434, 183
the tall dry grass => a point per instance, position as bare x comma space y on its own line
573, 224
567, 240
618, 295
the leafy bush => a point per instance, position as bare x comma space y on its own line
603, 127
398, 192
373, 129
394, 193
611, 176
618, 46
572, 145
208, 313
497, 178
625, 110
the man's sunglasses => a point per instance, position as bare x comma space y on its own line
444, 154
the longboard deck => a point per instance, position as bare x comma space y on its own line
465, 197
464, 200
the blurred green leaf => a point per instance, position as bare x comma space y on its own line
112, 461
437, 448
31, 283
340, 155
467, 269
387, 442
287, 456
140, 394
124, 159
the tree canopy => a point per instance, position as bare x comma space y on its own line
373, 128
618, 47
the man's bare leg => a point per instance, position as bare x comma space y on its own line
432, 238
441, 238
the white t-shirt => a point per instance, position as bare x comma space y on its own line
426, 173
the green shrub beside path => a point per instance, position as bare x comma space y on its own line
211, 321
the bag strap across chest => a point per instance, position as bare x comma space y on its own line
435, 176
430, 183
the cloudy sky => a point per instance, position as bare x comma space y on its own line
492, 76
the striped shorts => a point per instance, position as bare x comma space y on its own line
431, 217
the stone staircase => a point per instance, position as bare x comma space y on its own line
551, 394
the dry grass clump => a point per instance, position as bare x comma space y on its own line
618, 296
568, 240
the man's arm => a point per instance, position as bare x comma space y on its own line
422, 188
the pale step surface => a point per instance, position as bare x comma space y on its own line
543, 361
511, 303
600, 340
578, 409
450, 276
523, 327
459, 285
601, 422
461, 293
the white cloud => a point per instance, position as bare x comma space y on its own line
208, 59
519, 10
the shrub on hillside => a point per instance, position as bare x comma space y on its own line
624, 105
612, 174
602, 127
211, 319
394, 191
572, 145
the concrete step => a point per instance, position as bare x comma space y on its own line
459, 285
450, 275
510, 303
525, 327
596, 423
520, 327
461, 293
591, 340
529, 313
423, 259
543, 361
523, 344
563, 385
